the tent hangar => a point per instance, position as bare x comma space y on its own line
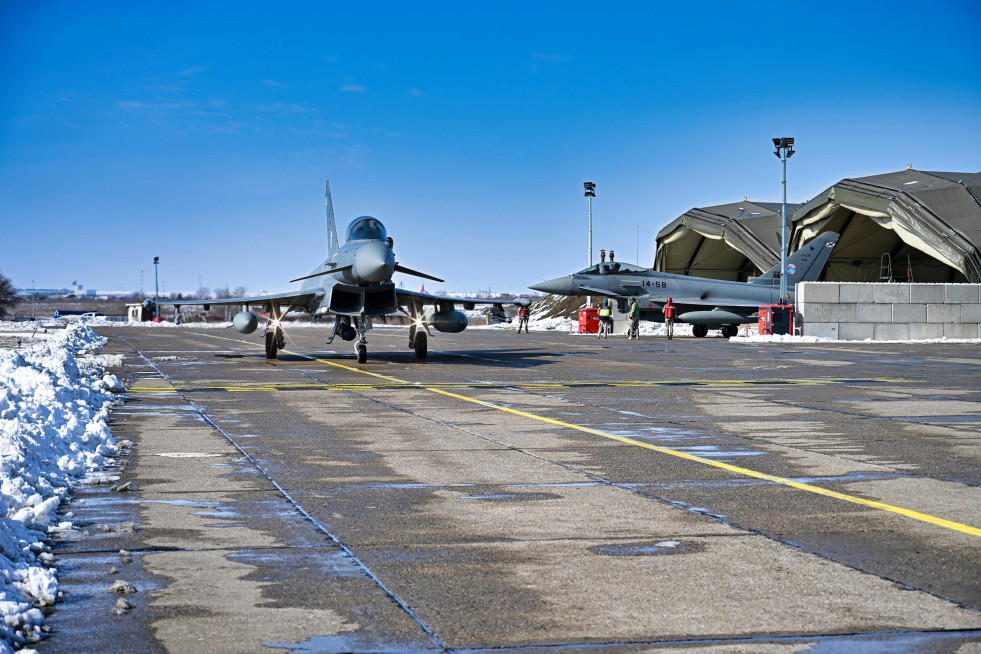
730, 241
906, 226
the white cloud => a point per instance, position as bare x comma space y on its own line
415, 92
352, 88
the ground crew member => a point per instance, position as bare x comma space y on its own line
669, 311
634, 314
606, 318
523, 318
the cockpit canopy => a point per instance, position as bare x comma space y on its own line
366, 228
612, 268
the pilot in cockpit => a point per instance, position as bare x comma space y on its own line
366, 228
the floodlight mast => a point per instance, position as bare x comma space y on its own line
156, 285
784, 149
590, 188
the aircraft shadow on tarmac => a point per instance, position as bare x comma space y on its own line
491, 358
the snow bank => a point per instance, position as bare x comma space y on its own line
54, 406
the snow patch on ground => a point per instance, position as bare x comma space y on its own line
54, 432
755, 338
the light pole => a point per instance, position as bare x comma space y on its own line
590, 188
33, 300
156, 287
783, 148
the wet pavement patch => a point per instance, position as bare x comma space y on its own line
511, 497
664, 547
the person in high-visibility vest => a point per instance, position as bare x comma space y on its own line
606, 318
669, 311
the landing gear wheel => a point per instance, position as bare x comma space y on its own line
700, 330
362, 352
272, 345
728, 331
421, 345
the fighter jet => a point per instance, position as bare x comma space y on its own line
354, 284
705, 303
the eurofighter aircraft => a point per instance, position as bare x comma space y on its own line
705, 303
354, 284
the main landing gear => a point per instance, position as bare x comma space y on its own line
275, 341
418, 336
699, 330
419, 341
728, 331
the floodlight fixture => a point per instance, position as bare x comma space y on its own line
590, 189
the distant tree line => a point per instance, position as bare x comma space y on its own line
8, 296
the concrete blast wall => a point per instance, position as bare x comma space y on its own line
886, 312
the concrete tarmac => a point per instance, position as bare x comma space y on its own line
549, 492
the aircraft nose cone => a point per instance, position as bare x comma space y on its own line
374, 262
558, 286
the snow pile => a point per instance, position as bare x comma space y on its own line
53, 431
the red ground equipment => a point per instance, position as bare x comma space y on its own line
776, 319
589, 320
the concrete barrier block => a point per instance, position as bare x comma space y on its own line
821, 329
856, 331
922, 331
891, 331
855, 292
943, 312
873, 313
971, 313
926, 293
817, 292
962, 293
960, 330
841, 312
909, 313
891, 293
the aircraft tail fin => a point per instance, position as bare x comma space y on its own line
804, 265
332, 244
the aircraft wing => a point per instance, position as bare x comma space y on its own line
421, 299
298, 299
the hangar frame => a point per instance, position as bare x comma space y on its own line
927, 225
731, 241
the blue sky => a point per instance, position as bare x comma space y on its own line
203, 132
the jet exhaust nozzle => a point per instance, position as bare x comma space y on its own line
245, 322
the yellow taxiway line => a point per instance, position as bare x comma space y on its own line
810, 488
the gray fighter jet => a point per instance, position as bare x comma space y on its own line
705, 303
354, 284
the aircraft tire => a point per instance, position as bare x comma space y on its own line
362, 352
421, 345
271, 345
728, 331
699, 331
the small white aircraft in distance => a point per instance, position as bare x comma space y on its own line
354, 283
